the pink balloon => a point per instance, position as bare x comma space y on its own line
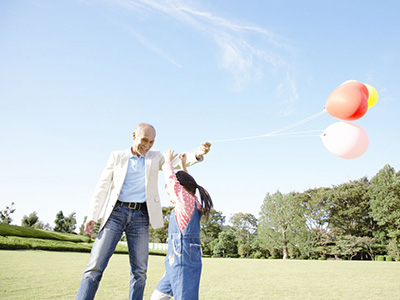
345, 139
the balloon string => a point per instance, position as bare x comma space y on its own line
299, 132
273, 133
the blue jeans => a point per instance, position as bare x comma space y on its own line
135, 223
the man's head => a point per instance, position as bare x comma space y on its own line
143, 138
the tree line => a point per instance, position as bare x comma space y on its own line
358, 219
62, 223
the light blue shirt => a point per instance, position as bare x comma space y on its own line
133, 189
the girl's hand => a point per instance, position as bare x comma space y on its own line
183, 158
169, 155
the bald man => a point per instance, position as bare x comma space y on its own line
127, 195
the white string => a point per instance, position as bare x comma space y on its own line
296, 134
273, 133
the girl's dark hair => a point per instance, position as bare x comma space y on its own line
190, 185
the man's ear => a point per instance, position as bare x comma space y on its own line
134, 135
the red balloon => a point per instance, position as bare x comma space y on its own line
348, 101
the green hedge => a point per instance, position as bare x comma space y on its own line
384, 258
18, 238
13, 230
23, 243
389, 258
380, 258
16, 242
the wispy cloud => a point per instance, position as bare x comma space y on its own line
247, 51
153, 48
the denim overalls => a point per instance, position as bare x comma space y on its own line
183, 262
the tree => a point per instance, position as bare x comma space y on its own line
384, 195
70, 223
160, 235
245, 227
210, 229
366, 244
351, 246
318, 238
281, 222
349, 208
65, 224
393, 249
31, 220
316, 204
82, 228
42, 225
59, 221
226, 245
5, 214
346, 246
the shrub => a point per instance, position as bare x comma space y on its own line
389, 258
379, 258
393, 249
10, 244
13, 230
16, 242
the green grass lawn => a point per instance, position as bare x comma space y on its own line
56, 275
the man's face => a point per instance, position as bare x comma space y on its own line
143, 140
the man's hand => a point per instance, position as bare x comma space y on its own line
89, 227
203, 149
169, 155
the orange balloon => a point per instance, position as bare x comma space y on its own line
348, 101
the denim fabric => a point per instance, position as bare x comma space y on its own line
183, 262
135, 223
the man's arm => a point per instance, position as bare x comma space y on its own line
197, 156
191, 158
100, 195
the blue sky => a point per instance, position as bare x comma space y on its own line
77, 76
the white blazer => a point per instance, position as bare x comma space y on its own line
112, 178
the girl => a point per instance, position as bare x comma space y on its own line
183, 262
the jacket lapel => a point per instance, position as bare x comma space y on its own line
123, 166
147, 166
